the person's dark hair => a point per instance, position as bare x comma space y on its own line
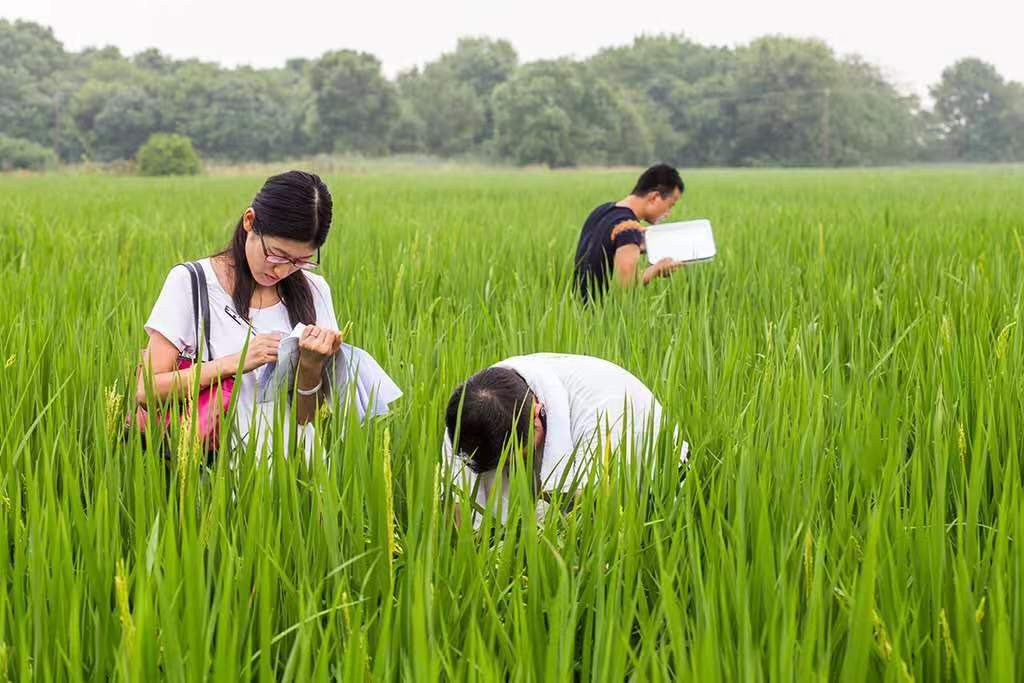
660, 178
495, 403
297, 206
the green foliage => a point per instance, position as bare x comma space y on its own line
124, 122
848, 372
774, 101
31, 60
26, 111
355, 104
18, 154
558, 113
980, 112
235, 115
783, 121
451, 97
153, 61
677, 87
407, 137
869, 122
30, 48
168, 154
483, 64
452, 115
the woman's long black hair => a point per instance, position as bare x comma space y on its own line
296, 206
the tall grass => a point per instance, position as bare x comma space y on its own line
848, 372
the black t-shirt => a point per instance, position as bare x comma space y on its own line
607, 228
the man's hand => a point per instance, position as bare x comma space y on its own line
662, 268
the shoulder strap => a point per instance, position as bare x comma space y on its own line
194, 287
200, 304
204, 303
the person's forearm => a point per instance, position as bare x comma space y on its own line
626, 276
309, 375
179, 383
631, 276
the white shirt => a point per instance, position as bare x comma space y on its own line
173, 317
588, 401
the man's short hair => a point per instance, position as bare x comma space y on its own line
494, 403
660, 178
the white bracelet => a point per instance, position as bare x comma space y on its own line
309, 392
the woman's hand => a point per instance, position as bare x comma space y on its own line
262, 350
160, 378
316, 345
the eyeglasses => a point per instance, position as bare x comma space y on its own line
302, 264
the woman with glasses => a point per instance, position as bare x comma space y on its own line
259, 287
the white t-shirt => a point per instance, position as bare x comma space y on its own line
585, 399
173, 317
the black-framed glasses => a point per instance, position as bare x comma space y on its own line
302, 264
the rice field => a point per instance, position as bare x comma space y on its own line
848, 373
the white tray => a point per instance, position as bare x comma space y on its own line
684, 241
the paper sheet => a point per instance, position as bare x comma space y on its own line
686, 241
351, 368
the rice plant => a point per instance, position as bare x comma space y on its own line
848, 373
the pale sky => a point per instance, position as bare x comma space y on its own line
912, 40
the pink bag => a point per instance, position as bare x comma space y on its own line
207, 411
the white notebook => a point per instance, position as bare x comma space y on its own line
686, 241
351, 367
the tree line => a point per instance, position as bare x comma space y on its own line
776, 101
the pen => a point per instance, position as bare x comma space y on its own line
242, 321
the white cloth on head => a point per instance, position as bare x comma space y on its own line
585, 399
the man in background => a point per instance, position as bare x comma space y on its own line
612, 240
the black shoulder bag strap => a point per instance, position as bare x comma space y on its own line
200, 304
